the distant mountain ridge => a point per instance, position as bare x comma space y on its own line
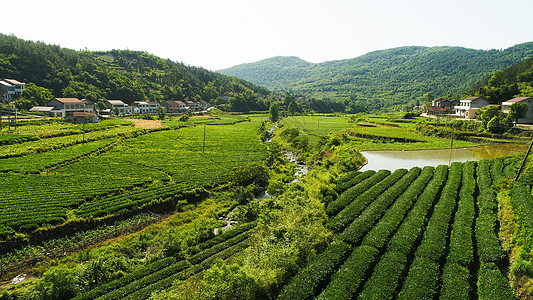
396, 75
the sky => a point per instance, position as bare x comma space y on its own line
217, 34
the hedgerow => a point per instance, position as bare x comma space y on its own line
461, 249
433, 244
350, 212
368, 179
309, 281
375, 210
347, 280
422, 280
410, 230
455, 282
492, 284
381, 233
385, 277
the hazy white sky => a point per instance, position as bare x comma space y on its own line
218, 34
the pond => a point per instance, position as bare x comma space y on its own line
392, 160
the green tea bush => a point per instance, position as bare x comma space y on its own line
308, 281
385, 277
350, 212
375, 210
421, 282
369, 179
492, 284
351, 275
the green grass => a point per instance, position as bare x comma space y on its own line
382, 134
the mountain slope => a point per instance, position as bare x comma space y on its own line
514, 81
396, 75
117, 74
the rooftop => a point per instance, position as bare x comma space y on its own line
518, 99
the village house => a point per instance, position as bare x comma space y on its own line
193, 106
506, 105
467, 107
152, 107
10, 89
83, 117
122, 107
65, 107
142, 106
174, 106
441, 106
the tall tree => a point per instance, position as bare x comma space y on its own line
273, 112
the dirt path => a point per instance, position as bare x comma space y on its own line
147, 124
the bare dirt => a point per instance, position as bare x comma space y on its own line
147, 124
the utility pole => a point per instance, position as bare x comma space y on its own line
451, 149
523, 162
203, 148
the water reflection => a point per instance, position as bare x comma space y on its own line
392, 160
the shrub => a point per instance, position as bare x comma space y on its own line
351, 274
385, 277
422, 280
369, 179
380, 234
492, 284
364, 223
312, 278
409, 232
455, 282
350, 212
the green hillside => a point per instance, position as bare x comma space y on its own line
397, 75
514, 81
117, 74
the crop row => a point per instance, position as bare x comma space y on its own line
355, 269
226, 244
389, 271
523, 204
488, 244
374, 211
52, 144
352, 179
387, 226
352, 211
139, 197
433, 244
45, 160
358, 185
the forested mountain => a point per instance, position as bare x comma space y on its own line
514, 81
395, 76
117, 74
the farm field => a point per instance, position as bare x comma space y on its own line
371, 134
120, 168
419, 233
415, 234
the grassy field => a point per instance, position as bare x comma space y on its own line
54, 180
376, 133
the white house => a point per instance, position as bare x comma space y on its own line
528, 100
65, 107
122, 107
152, 107
467, 107
10, 89
143, 107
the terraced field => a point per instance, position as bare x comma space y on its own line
49, 180
412, 234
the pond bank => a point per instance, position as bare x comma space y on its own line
394, 159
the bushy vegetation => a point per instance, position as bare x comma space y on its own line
117, 74
392, 77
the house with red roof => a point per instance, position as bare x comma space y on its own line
506, 106
65, 107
